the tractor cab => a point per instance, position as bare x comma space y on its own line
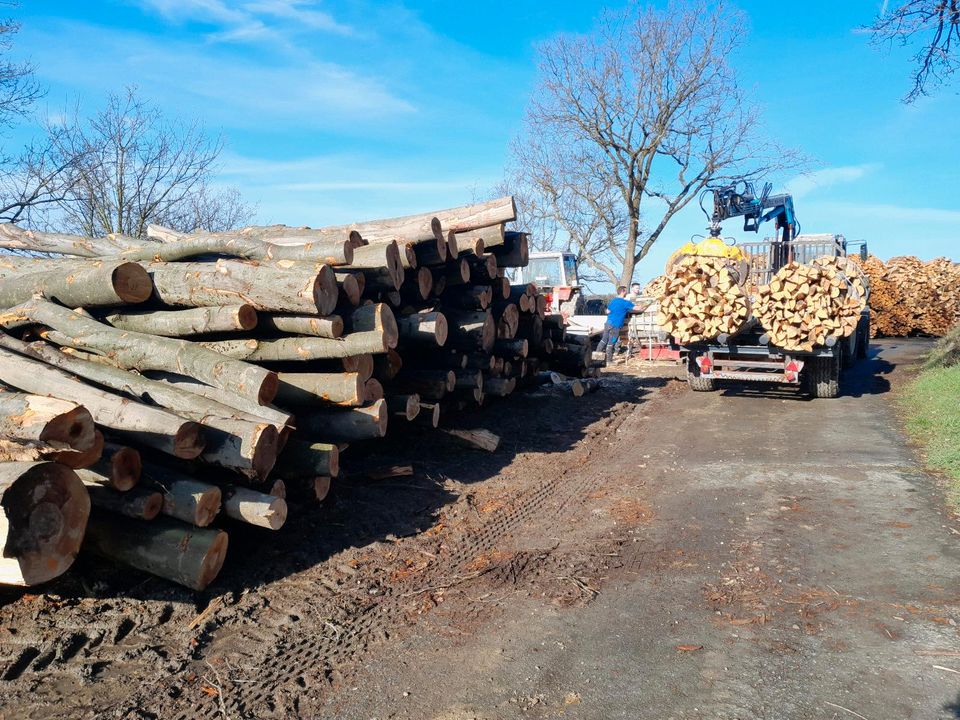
555, 274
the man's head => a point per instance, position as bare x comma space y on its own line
622, 290
635, 288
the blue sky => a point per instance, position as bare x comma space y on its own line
340, 111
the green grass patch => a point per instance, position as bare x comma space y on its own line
933, 405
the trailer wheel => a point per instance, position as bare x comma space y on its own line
823, 377
696, 381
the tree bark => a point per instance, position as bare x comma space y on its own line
180, 553
43, 514
184, 323
119, 467
471, 330
184, 498
428, 328
297, 289
406, 406
234, 439
515, 251
351, 286
381, 264
326, 327
178, 246
151, 426
488, 238
147, 352
138, 503
302, 459
15, 238
345, 425
254, 508
345, 389
95, 284
58, 423
300, 348
511, 348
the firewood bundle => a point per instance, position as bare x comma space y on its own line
804, 305
700, 298
910, 296
174, 381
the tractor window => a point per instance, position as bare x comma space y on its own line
545, 272
570, 270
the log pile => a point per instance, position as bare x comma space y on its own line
805, 306
910, 296
700, 298
187, 386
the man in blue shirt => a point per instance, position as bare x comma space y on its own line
617, 311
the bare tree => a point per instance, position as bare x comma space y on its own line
936, 23
133, 167
628, 124
18, 87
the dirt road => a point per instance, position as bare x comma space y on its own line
643, 552
794, 562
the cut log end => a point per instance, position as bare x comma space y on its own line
131, 282
188, 443
246, 317
125, 469
73, 429
46, 508
326, 292
268, 388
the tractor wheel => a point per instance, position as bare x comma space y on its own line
696, 381
823, 377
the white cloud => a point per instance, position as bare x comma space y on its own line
247, 21
803, 185
225, 88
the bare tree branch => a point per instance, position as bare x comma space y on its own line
936, 23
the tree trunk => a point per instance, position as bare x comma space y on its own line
302, 459
234, 439
511, 348
297, 289
471, 330
151, 426
429, 328
345, 425
43, 514
387, 365
326, 327
301, 348
351, 286
406, 406
184, 323
254, 508
184, 498
95, 284
488, 237
147, 352
515, 251
346, 389
58, 423
178, 246
119, 468
15, 238
138, 503
180, 553
381, 264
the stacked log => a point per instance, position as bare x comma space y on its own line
251, 361
700, 298
909, 296
806, 306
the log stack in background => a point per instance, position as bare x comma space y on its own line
909, 296
202, 380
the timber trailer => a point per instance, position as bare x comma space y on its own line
749, 356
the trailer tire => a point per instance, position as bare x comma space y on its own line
823, 377
696, 381
864, 345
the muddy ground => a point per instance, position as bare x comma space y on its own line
643, 552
